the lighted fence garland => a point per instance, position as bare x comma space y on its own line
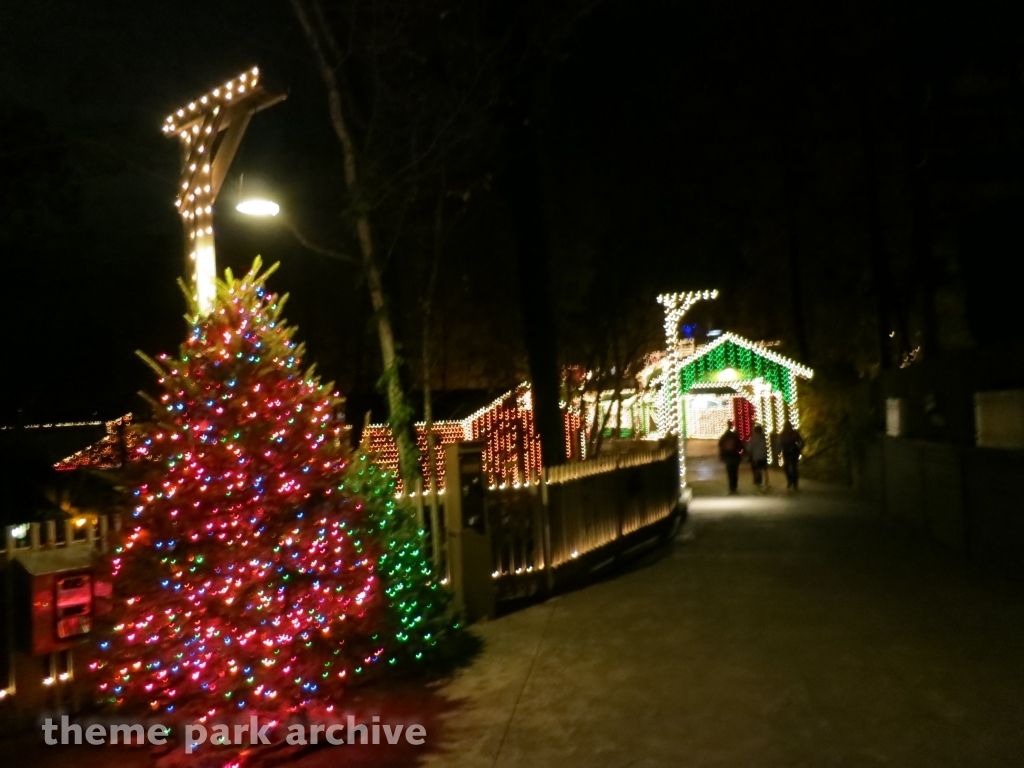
511, 455
574, 433
445, 433
512, 452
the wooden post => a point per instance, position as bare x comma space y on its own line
544, 532
436, 534
470, 557
545, 516
226, 110
418, 496
10, 682
453, 530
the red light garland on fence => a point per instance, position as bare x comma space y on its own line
512, 451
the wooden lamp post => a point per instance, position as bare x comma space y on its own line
210, 130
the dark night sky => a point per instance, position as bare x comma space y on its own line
661, 126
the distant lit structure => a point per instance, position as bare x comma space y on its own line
698, 389
687, 390
511, 455
109, 452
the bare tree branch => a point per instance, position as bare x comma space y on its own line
314, 247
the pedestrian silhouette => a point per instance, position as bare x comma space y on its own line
730, 450
792, 443
757, 450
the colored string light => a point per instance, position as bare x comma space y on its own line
265, 565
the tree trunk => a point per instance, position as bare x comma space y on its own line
795, 272
523, 193
399, 414
428, 405
880, 277
917, 54
920, 206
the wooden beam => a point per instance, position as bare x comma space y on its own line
226, 151
258, 99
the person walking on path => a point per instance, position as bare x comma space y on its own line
730, 450
757, 449
791, 443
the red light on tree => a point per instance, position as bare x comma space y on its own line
265, 565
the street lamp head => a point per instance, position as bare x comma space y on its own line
258, 208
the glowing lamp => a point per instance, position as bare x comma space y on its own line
258, 208
728, 374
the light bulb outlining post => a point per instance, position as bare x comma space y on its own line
671, 406
210, 130
269, 209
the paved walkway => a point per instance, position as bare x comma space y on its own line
774, 631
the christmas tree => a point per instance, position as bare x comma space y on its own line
416, 614
265, 566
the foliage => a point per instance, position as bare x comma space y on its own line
834, 421
265, 567
417, 604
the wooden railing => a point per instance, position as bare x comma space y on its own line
53, 534
578, 470
595, 506
582, 512
34, 680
